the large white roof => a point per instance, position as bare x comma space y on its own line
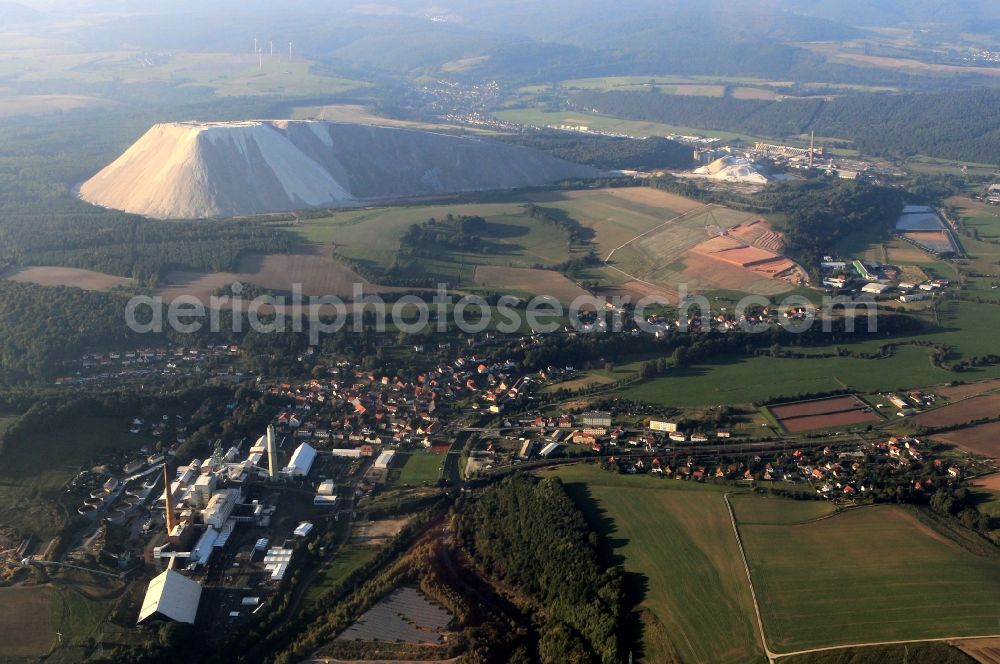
302, 460
173, 596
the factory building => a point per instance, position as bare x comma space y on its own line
302, 461
549, 450
596, 418
220, 507
170, 596
385, 459
667, 427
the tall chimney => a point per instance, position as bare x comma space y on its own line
272, 453
169, 500
812, 148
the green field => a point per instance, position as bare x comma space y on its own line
226, 74
734, 381
420, 468
541, 118
30, 616
349, 558
969, 328
768, 510
867, 575
681, 560
36, 467
372, 237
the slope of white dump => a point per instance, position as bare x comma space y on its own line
219, 169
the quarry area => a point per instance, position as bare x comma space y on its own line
188, 170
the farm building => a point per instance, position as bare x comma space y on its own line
170, 596
385, 459
302, 461
875, 288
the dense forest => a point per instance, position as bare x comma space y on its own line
819, 213
41, 327
960, 125
529, 534
608, 151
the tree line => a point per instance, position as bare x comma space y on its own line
529, 534
961, 125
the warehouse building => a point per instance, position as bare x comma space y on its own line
301, 462
170, 596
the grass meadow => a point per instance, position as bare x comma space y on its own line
420, 468
37, 465
866, 575
682, 564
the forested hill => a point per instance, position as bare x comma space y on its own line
820, 213
607, 151
964, 126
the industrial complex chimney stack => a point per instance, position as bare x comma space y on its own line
169, 500
812, 148
272, 453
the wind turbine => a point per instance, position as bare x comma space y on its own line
272, 47
254, 44
289, 50
260, 59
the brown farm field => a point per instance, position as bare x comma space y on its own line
68, 276
823, 413
991, 482
311, 266
709, 248
26, 622
528, 281
982, 439
964, 390
973, 408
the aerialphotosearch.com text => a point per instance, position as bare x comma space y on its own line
414, 314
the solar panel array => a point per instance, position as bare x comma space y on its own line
405, 615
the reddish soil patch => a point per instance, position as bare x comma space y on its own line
758, 233
968, 390
752, 249
988, 482
810, 422
984, 651
961, 412
982, 439
815, 407
745, 256
823, 413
